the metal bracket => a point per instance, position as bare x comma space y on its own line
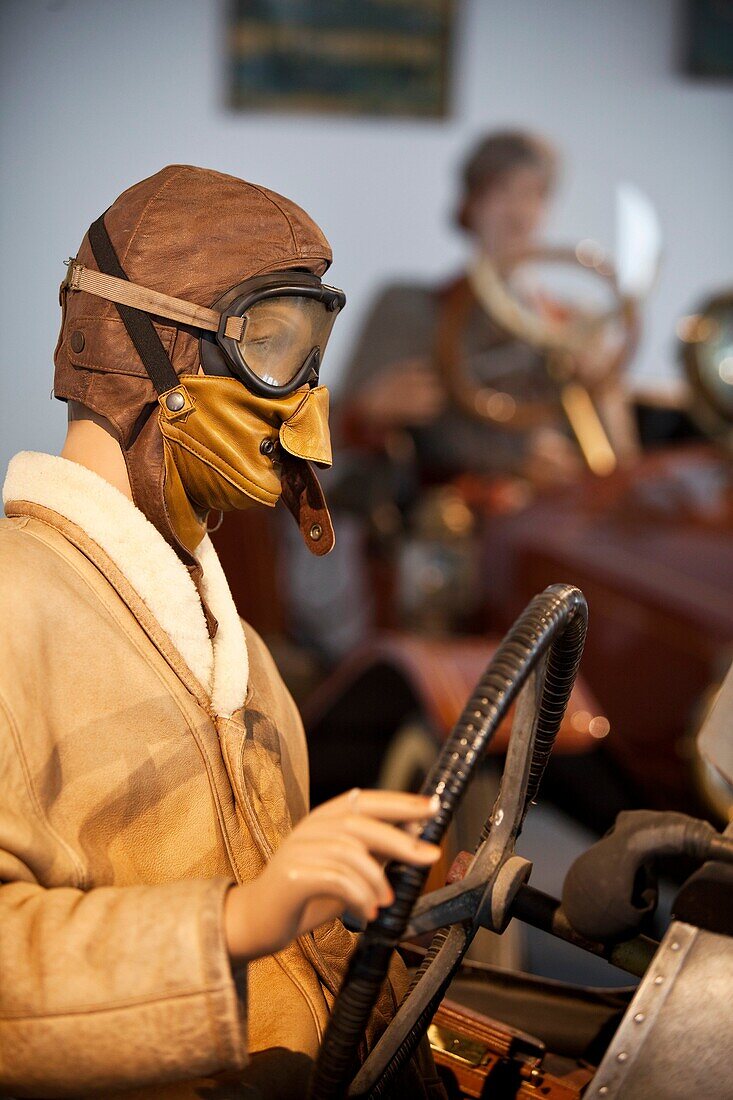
472, 900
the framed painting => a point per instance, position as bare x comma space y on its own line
357, 57
709, 39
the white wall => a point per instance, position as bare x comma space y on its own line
99, 93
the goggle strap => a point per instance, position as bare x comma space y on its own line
123, 292
139, 326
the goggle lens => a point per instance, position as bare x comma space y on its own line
280, 334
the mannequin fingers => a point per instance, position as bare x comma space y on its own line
352, 854
389, 842
395, 806
346, 887
319, 911
381, 839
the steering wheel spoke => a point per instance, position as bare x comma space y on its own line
432, 985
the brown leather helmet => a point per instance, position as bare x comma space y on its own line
191, 233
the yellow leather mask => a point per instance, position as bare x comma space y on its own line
226, 448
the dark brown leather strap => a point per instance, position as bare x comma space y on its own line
139, 325
303, 496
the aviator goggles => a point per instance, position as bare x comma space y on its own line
269, 332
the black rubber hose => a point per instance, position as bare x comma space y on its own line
556, 621
610, 889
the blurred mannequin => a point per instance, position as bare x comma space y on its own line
395, 401
392, 382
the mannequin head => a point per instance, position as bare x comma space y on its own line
508, 181
193, 328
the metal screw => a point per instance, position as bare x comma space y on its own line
639, 1018
603, 1090
658, 980
175, 401
674, 946
316, 532
621, 1056
267, 446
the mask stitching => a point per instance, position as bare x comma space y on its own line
184, 441
153, 198
269, 197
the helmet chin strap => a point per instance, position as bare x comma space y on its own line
139, 325
144, 455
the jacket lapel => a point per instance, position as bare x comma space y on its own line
142, 567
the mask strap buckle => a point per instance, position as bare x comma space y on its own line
176, 403
71, 279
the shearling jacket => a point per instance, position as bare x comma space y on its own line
144, 768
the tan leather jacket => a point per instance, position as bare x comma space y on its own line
129, 801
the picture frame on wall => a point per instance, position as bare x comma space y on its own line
708, 43
361, 57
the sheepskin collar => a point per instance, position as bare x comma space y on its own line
150, 565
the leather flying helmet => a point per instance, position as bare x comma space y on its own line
195, 320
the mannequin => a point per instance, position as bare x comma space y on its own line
91, 442
169, 905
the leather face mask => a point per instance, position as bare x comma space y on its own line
227, 448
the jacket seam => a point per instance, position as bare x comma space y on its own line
119, 622
301, 986
266, 851
118, 1006
79, 871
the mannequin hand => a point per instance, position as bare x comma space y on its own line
552, 460
331, 862
408, 395
592, 362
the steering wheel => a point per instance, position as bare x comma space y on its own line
561, 335
536, 665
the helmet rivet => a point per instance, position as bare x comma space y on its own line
316, 532
174, 402
267, 446
77, 341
